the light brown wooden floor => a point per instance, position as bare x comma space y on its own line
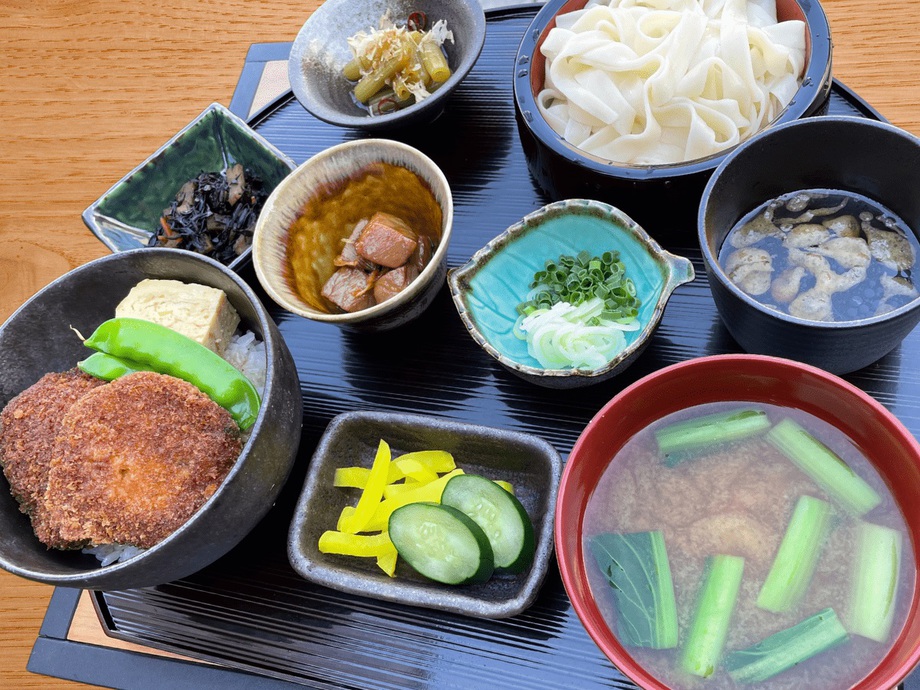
88, 88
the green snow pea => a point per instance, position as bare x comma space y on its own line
144, 345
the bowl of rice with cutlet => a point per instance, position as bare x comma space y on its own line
118, 480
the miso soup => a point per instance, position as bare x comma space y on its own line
674, 505
823, 255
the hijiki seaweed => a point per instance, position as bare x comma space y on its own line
214, 214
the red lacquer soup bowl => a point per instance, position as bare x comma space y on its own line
751, 378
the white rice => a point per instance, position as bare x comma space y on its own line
247, 353
113, 553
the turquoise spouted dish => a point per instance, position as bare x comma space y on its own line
489, 287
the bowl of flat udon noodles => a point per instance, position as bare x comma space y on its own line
635, 104
745, 520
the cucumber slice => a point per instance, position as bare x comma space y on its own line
441, 543
500, 515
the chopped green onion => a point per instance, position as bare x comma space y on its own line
559, 333
577, 279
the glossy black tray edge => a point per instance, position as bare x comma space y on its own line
55, 655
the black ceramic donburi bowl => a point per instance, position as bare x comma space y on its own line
870, 158
661, 198
38, 339
321, 50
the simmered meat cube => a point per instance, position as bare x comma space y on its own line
349, 257
349, 289
393, 282
386, 240
422, 254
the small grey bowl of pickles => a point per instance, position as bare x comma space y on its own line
327, 81
499, 569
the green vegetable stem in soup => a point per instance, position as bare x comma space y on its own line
806, 529
823, 255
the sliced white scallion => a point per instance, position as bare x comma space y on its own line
567, 336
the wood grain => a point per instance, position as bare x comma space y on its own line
90, 87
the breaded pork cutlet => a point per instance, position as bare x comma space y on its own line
134, 460
29, 426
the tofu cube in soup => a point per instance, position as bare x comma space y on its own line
386, 240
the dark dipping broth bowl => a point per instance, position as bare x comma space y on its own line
661, 198
870, 158
890, 447
38, 339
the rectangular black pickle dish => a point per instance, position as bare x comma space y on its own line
251, 612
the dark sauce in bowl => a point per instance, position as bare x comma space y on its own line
823, 255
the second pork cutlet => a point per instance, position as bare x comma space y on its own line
134, 460
29, 425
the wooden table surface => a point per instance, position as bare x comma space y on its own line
91, 87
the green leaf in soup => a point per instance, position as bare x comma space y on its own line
636, 567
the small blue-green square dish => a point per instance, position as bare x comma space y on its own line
489, 287
129, 213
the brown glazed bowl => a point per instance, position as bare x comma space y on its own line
309, 184
661, 198
37, 339
858, 155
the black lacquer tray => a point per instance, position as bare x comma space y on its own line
251, 612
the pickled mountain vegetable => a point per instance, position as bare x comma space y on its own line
636, 567
875, 582
824, 466
785, 649
577, 311
798, 555
677, 442
398, 65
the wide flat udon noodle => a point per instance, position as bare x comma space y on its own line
665, 81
